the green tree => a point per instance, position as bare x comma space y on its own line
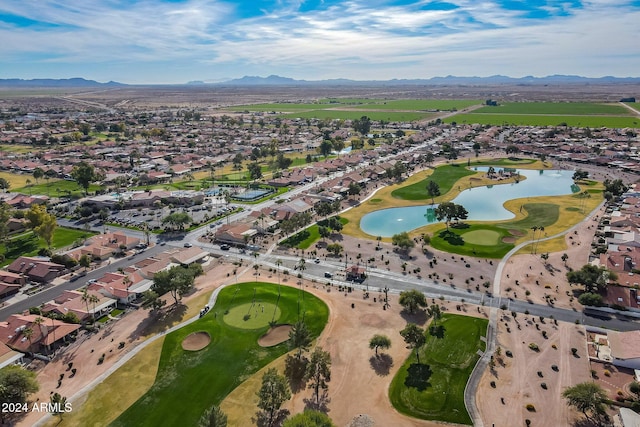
354, 189
35, 216
84, 174
273, 392
434, 312
379, 341
38, 173
448, 211
634, 388
177, 220
177, 281
309, 418
151, 300
318, 372
213, 417
255, 172
85, 261
594, 279
46, 229
16, 384
413, 335
335, 249
403, 241
362, 125
589, 298
299, 338
58, 402
512, 149
5, 215
433, 189
588, 398
4, 184
325, 147
412, 299
324, 232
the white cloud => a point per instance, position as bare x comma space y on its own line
355, 39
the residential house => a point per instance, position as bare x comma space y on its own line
36, 269
44, 336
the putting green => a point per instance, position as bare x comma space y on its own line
259, 315
482, 237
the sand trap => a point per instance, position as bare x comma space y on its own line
196, 341
275, 336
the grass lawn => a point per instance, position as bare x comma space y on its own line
486, 240
434, 389
15, 180
28, 244
445, 176
56, 188
188, 383
557, 108
307, 237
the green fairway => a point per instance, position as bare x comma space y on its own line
188, 383
445, 176
434, 389
538, 214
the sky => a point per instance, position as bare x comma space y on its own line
177, 41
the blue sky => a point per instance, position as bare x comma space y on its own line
176, 41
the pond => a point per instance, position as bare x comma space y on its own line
483, 203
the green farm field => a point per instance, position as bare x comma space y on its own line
557, 108
546, 120
393, 116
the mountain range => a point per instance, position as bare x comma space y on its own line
274, 80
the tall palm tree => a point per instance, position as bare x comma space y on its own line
533, 238
94, 299
28, 333
85, 298
541, 229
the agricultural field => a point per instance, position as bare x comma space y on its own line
578, 114
376, 109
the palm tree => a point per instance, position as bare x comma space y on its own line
94, 299
302, 266
28, 333
541, 229
85, 298
533, 238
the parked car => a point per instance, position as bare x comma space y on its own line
225, 247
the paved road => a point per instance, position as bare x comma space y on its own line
21, 302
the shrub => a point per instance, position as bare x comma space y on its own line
574, 351
553, 346
492, 384
540, 374
533, 346
530, 407
508, 353
527, 422
554, 368
101, 359
543, 385
607, 373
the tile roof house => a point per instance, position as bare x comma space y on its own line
39, 270
625, 348
45, 335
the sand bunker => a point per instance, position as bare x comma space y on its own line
275, 336
196, 341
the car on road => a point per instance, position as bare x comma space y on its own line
317, 260
328, 275
188, 245
225, 247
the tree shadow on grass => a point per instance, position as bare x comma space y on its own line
419, 317
381, 364
452, 238
437, 331
418, 376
